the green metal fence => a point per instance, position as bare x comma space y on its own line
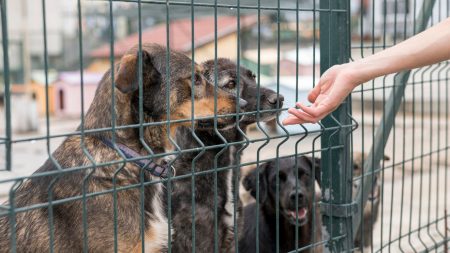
398, 98
403, 117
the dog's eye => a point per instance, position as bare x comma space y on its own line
303, 173
231, 84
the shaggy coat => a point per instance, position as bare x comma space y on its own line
228, 212
82, 205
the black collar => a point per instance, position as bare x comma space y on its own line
144, 163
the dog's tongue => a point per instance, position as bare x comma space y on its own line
301, 213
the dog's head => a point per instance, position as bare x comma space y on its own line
227, 79
174, 86
358, 167
358, 162
295, 193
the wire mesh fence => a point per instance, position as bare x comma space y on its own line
405, 133
166, 135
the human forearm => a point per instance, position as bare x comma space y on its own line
428, 47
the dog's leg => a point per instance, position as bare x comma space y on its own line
152, 242
156, 236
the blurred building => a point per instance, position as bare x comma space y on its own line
67, 92
390, 18
43, 94
181, 39
306, 65
26, 35
25, 21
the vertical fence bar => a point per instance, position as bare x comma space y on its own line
7, 95
336, 189
392, 106
258, 124
82, 129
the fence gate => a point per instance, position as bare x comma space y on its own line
383, 153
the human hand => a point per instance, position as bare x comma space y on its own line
428, 47
333, 87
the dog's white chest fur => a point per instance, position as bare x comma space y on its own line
157, 238
228, 219
229, 204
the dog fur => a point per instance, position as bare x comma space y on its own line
371, 209
290, 215
227, 80
32, 229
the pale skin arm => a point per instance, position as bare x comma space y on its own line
429, 47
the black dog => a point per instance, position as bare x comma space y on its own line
228, 157
290, 214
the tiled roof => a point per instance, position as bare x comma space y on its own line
180, 34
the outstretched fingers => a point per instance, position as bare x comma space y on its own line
314, 93
301, 116
316, 112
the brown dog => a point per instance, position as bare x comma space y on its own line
110, 216
370, 212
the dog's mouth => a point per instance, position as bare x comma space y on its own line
263, 117
301, 215
209, 124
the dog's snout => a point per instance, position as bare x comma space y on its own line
299, 195
242, 103
274, 98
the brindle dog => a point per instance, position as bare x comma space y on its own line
93, 223
226, 157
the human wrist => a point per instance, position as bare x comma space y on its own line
355, 74
366, 69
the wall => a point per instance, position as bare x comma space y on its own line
72, 98
226, 47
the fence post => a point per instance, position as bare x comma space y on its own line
336, 206
7, 96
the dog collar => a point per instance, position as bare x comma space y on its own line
144, 163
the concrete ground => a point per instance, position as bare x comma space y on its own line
414, 193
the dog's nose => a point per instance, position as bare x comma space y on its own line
274, 98
298, 194
242, 103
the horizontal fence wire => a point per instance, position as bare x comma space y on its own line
73, 176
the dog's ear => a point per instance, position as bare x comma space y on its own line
249, 182
314, 164
126, 78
